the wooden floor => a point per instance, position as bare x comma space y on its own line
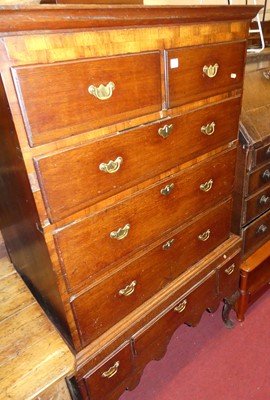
34, 359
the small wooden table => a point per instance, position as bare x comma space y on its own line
254, 279
34, 359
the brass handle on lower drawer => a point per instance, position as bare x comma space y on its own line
121, 233
112, 166
230, 269
266, 175
262, 229
168, 244
111, 371
208, 129
165, 131
128, 290
210, 70
205, 187
205, 235
264, 200
180, 308
167, 190
102, 92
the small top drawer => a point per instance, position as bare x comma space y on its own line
198, 72
63, 99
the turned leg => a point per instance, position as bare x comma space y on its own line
242, 303
228, 305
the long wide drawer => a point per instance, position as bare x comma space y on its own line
62, 99
150, 342
137, 281
199, 72
107, 166
100, 239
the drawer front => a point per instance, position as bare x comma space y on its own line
109, 377
229, 276
144, 277
262, 155
63, 99
259, 179
257, 204
109, 165
256, 233
198, 72
150, 343
98, 240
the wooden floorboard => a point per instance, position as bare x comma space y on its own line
34, 359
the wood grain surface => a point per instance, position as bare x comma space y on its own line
33, 355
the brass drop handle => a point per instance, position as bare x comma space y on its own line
111, 371
264, 200
180, 308
210, 70
262, 229
112, 166
205, 187
168, 245
208, 129
121, 233
102, 92
165, 131
266, 74
266, 175
267, 153
230, 269
205, 235
167, 190
128, 290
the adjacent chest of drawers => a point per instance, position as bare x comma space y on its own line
252, 189
118, 147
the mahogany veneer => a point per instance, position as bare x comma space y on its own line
118, 148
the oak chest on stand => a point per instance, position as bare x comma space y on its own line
119, 132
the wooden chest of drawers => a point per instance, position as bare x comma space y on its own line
118, 148
252, 194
